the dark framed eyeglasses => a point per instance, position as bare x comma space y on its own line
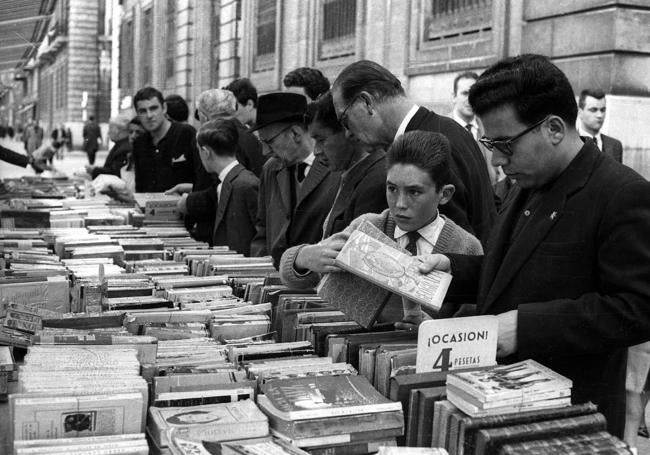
343, 118
505, 145
270, 140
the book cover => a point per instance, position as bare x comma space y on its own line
509, 381
473, 411
390, 268
216, 422
428, 397
324, 396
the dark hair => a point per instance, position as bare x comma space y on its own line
147, 93
426, 150
177, 108
323, 112
368, 76
91, 118
135, 121
531, 84
244, 90
311, 79
593, 92
465, 75
220, 135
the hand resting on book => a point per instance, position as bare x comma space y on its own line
431, 262
507, 341
320, 257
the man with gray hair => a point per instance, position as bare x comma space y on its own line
118, 132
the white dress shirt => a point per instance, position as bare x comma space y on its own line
402, 126
598, 137
428, 236
222, 176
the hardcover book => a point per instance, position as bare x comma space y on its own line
392, 269
324, 396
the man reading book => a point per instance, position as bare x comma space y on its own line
417, 182
566, 268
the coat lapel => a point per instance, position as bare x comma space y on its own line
316, 175
550, 210
283, 177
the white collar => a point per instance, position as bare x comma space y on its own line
309, 161
226, 170
430, 232
462, 121
405, 122
584, 132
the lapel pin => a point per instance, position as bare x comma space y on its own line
553, 215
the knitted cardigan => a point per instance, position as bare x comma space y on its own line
452, 239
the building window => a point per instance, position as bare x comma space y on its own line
147, 46
338, 27
126, 57
171, 39
458, 18
265, 16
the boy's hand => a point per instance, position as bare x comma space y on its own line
181, 205
431, 262
320, 258
179, 189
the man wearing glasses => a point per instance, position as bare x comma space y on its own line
567, 269
372, 105
297, 189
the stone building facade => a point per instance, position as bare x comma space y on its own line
187, 46
69, 79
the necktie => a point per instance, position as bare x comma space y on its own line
468, 127
300, 171
595, 141
412, 246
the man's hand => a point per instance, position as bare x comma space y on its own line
320, 257
431, 262
181, 205
507, 340
181, 188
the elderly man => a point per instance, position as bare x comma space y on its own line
566, 270
371, 104
118, 132
296, 188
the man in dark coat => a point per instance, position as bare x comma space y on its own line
371, 104
118, 132
232, 200
566, 268
92, 136
592, 109
296, 188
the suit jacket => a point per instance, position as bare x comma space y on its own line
363, 190
249, 150
12, 157
612, 147
115, 159
233, 216
472, 206
578, 273
279, 225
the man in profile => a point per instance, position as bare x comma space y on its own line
246, 95
592, 109
372, 105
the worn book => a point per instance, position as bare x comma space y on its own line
215, 422
392, 269
127, 444
601, 441
509, 381
324, 396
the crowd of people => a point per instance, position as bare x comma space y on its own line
531, 211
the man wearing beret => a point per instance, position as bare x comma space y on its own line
296, 188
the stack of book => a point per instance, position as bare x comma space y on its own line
158, 208
77, 391
331, 414
521, 386
127, 444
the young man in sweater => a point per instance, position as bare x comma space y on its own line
417, 182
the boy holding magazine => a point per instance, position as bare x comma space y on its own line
417, 182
